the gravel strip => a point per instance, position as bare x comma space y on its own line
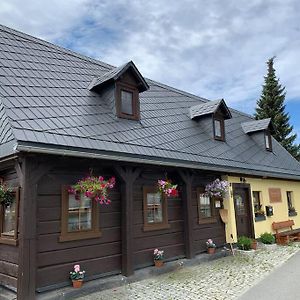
224, 278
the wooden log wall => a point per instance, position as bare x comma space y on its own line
8, 253
202, 232
96, 256
171, 240
103, 256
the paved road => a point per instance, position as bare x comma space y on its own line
281, 284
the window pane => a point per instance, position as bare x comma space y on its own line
218, 132
289, 199
256, 201
126, 102
239, 205
205, 206
154, 208
267, 139
9, 222
80, 213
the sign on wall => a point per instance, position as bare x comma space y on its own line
275, 195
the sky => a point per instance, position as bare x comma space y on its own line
214, 49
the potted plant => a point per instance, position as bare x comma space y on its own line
165, 187
6, 195
158, 257
77, 276
211, 246
244, 243
218, 188
267, 238
95, 188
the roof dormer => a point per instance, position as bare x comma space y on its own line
214, 114
123, 84
260, 131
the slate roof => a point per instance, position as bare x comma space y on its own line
209, 107
257, 125
46, 106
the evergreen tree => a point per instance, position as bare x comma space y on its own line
271, 105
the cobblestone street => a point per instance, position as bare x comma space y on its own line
224, 278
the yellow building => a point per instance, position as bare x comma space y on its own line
253, 204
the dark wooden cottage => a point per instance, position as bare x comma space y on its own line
63, 114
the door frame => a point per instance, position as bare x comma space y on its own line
250, 209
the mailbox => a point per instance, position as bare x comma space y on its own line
269, 210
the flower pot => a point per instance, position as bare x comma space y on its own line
77, 284
158, 263
211, 250
254, 245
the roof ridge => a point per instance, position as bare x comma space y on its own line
168, 87
204, 100
27, 36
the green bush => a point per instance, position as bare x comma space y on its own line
267, 238
244, 243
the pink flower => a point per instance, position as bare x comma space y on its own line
77, 268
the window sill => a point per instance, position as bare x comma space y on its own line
260, 218
292, 214
156, 227
79, 236
8, 241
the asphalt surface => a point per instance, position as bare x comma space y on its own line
281, 284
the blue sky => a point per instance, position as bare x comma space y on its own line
215, 49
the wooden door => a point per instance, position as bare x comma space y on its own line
243, 210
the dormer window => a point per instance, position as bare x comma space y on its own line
120, 88
127, 102
219, 130
212, 115
268, 141
260, 132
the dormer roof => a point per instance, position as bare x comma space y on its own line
116, 73
210, 107
257, 125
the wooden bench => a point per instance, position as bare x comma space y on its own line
284, 237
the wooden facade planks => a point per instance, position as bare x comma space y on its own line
98, 256
124, 245
9, 254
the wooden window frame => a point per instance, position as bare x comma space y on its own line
206, 220
135, 101
6, 239
156, 226
268, 135
65, 235
222, 123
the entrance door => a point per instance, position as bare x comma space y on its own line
243, 209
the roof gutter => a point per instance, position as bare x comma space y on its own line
145, 160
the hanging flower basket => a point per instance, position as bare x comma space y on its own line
218, 188
165, 187
6, 195
95, 188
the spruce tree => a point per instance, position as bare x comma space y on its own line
271, 105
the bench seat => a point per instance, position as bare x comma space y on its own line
284, 237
